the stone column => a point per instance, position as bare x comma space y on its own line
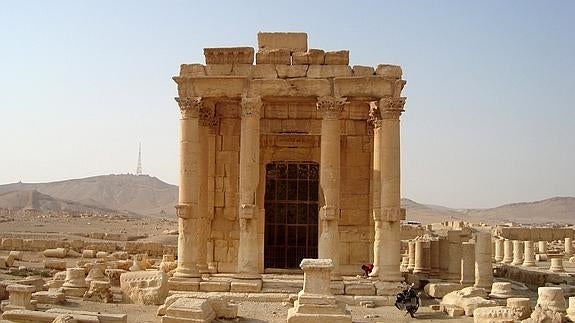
454, 265
375, 122
391, 211
411, 255
329, 179
187, 209
419, 258
498, 250
19, 298
483, 267
443, 257
507, 251
556, 263
206, 121
467, 263
529, 256
517, 252
434, 255
249, 179
568, 247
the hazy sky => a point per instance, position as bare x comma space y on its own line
490, 115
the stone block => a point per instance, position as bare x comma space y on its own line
359, 253
246, 286
359, 70
327, 71
144, 287
49, 297
439, 290
219, 69
273, 56
367, 86
230, 55
290, 87
391, 71
311, 57
293, 42
264, 71
340, 57
102, 317
359, 288
55, 264
192, 70
215, 86
291, 71
215, 286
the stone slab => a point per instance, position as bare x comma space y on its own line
282, 40
246, 286
215, 286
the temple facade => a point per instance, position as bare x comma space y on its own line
296, 156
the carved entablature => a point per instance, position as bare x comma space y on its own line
391, 108
374, 119
189, 106
251, 106
330, 106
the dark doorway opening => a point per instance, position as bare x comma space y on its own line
291, 213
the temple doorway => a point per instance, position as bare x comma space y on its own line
291, 213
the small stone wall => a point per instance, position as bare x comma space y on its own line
533, 234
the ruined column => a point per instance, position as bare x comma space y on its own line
391, 211
434, 257
206, 120
443, 256
556, 261
498, 250
187, 208
467, 263
249, 178
568, 247
507, 251
375, 122
529, 256
411, 255
454, 256
329, 179
517, 252
483, 267
542, 247
420, 258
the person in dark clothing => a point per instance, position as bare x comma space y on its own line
367, 268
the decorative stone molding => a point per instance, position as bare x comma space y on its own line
374, 119
328, 213
391, 108
229, 55
251, 106
207, 114
186, 211
330, 106
390, 214
189, 106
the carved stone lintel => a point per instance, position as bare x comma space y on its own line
391, 214
186, 211
189, 106
330, 106
251, 106
391, 108
374, 119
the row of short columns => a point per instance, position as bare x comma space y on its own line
523, 253
467, 262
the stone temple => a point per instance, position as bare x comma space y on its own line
296, 156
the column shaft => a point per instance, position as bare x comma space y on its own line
483, 266
375, 123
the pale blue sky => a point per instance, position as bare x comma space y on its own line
489, 119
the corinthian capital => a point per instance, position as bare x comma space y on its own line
189, 106
207, 114
251, 106
391, 108
374, 119
330, 106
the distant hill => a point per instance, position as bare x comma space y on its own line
143, 195
149, 196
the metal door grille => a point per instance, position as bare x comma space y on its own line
291, 213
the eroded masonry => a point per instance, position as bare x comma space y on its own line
296, 156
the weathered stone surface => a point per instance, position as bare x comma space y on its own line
55, 264
497, 314
367, 86
273, 56
99, 292
187, 70
292, 42
222, 86
291, 71
468, 299
101, 317
230, 55
246, 286
144, 287
359, 70
56, 253
311, 57
49, 297
290, 87
340, 57
391, 71
187, 309
521, 307
439, 290
501, 290
364, 289
327, 71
